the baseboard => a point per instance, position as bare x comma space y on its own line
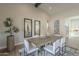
17, 46
19, 43
2, 48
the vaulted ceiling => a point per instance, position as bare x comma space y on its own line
56, 8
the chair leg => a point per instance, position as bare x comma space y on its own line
36, 53
63, 50
44, 52
25, 53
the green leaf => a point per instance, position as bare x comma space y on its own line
15, 29
8, 31
6, 24
8, 19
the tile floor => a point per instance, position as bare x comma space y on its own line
69, 52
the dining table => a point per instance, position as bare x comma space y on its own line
40, 41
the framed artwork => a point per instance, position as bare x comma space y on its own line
56, 27
27, 27
36, 27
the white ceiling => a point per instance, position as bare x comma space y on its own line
55, 8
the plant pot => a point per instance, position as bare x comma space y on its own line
10, 43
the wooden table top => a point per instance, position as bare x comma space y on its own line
40, 41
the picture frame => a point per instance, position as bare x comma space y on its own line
27, 27
37, 27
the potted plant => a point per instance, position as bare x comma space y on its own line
11, 30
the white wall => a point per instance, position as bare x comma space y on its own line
17, 12
63, 16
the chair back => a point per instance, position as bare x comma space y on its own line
26, 45
56, 45
63, 42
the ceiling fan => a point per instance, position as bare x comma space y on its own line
37, 5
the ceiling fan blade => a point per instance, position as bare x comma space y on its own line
37, 4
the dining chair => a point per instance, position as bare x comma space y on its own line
29, 48
63, 46
67, 47
53, 49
